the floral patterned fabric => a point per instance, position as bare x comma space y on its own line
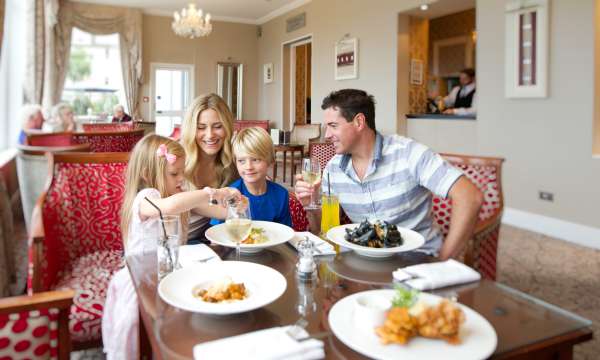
298, 214
29, 335
109, 142
108, 127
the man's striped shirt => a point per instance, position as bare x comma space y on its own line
396, 188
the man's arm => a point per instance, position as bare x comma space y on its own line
466, 202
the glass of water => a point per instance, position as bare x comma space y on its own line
168, 244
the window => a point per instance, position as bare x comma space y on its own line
94, 82
171, 87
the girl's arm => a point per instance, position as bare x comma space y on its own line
185, 201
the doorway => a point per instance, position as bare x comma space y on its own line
297, 82
172, 90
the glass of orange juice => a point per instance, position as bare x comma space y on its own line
330, 214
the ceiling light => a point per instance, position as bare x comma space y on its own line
190, 22
424, 7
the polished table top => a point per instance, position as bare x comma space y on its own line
520, 320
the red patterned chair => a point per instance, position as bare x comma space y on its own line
125, 126
76, 234
322, 151
176, 134
242, 124
485, 173
36, 326
50, 139
298, 214
110, 141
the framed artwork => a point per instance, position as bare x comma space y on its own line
346, 59
416, 72
526, 49
268, 73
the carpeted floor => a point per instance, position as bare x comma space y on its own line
555, 271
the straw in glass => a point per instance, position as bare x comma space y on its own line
165, 242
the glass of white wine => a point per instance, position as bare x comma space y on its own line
311, 173
238, 222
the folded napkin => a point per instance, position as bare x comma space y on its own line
268, 344
322, 247
436, 275
196, 254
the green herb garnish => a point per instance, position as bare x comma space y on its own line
405, 297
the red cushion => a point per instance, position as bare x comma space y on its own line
108, 143
89, 277
126, 126
29, 335
81, 215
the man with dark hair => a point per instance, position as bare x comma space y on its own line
461, 100
390, 177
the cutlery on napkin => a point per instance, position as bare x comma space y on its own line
196, 254
322, 247
268, 344
436, 275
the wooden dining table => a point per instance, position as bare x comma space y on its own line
526, 327
285, 149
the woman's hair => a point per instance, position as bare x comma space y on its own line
27, 112
225, 167
58, 111
255, 142
147, 170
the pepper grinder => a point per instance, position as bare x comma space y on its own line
306, 267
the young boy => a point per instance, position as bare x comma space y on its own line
253, 152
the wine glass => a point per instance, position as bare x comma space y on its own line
238, 222
311, 173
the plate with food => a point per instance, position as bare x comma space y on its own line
376, 239
261, 235
222, 288
405, 324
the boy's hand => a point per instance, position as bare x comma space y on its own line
304, 190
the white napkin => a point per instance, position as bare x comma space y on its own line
322, 246
194, 254
267, 344
436, 275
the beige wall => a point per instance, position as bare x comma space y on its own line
375, 27
547, 143
230, 42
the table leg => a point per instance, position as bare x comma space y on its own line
275, 168
284, 164
293, 168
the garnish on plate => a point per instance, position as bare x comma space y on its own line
256, 236
405, 297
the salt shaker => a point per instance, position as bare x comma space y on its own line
306, 266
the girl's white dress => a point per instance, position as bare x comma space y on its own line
120, 319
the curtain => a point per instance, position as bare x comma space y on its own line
51, 26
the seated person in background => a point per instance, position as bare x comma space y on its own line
61, 119
461, 100
390, 178
253, 153
119, 114
32, 120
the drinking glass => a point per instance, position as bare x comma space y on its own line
238, 222
330, 213
311, 173
168, 244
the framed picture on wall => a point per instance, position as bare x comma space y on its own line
416, 72
346, 59
268, 73
526, 49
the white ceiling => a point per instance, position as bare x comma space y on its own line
243, 11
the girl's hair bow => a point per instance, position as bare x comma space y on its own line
162, 151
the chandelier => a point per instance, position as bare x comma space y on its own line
190, 22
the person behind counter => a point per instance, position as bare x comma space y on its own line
461, 100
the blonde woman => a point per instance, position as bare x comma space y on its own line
62, 118
206, 137
155, 173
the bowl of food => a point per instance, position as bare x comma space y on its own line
222, 288
262, 235
376, 239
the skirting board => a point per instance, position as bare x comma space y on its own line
575, 233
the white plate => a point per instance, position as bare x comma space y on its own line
275, 232
478, 337
412, 240
264, 285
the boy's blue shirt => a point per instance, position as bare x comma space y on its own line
273, 205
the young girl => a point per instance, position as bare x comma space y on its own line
253, 152
155, 171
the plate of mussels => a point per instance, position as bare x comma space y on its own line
377, 239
